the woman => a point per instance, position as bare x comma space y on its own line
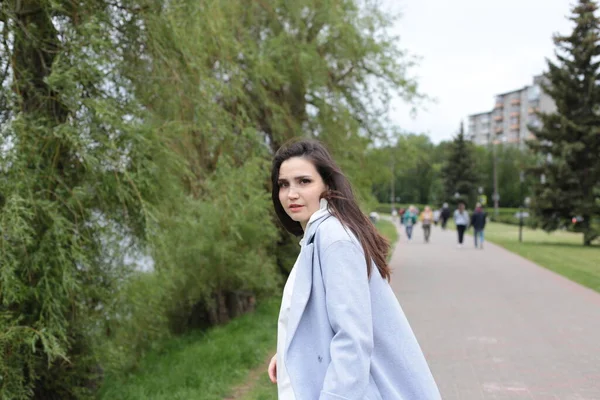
461, 219
409, 220
341, 332
426, 220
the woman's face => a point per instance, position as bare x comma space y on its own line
300, 189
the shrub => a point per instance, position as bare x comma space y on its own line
219, 248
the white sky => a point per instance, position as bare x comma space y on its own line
470, 51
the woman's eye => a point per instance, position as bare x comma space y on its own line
283, 184
304, 181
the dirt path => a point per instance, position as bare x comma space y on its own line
254, 376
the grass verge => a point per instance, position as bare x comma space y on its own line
201, 365
388, 230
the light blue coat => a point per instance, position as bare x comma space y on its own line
347, 336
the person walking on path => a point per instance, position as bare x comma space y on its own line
445, 214
478, 220
401, 215
341, 331
409, 220
461, 220
436, 216
426, 220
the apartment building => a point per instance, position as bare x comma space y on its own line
480, 128
513, 113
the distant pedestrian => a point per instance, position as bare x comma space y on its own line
436, 216
426, 220
478, 220
409, 219
445, 214
401, 215
461, 220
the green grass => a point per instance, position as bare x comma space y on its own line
559, 251
202, 365
387, 230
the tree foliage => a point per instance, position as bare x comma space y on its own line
416, 170
569, 141
418, 164
79, 175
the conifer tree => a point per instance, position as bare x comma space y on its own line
568, 143
459, 172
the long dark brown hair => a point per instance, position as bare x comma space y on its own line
340, 197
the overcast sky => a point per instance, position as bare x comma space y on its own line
470, 51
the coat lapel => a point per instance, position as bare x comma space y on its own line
303, 283
301, 293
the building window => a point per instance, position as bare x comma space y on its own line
533, 94
499, 102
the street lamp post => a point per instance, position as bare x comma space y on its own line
495, 196
521, 180
392, 188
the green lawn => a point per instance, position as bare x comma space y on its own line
388, 230
558, 251
201, 366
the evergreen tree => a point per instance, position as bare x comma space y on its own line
568, 142
459, 173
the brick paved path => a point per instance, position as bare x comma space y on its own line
496, 326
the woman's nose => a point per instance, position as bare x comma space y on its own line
292, 193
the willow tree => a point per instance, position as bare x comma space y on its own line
79, 175
233, 81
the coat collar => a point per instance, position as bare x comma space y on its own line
315, 220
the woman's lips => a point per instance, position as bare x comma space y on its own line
295, 208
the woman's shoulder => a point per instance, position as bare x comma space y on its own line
333, 230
